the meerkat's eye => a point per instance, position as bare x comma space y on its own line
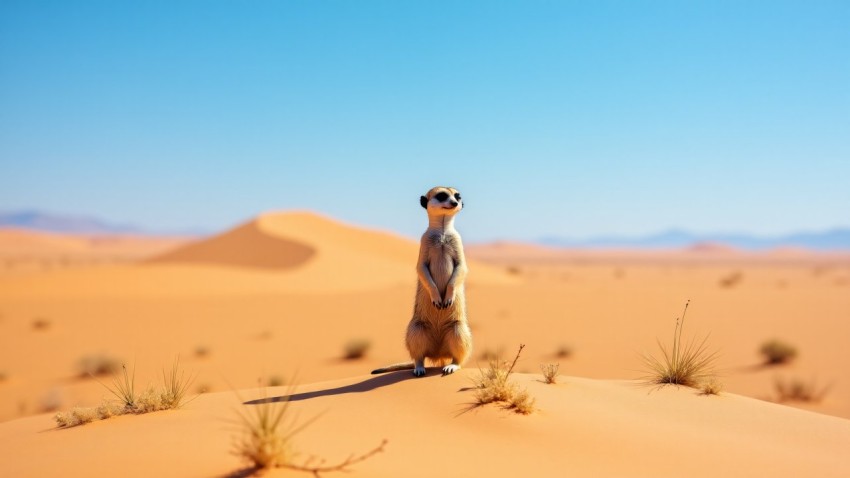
441, 196
457, 196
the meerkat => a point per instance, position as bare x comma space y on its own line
438, 330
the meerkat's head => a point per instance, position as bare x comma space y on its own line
442, 201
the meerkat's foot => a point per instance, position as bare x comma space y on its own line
419, 371
451, 368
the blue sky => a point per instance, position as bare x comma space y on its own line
553, 118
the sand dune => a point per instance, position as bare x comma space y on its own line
275, 253
582, 428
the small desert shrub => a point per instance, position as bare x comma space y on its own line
493, 385
711, 387
550, 372
95, 365
797, 390
275, 381
202, 351
563, 351
687, 363
40, 324
514, 270
777, 352
731, 280
266, 441
3, 376
356, 348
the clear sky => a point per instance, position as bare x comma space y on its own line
569, 118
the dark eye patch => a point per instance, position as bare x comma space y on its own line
441, 196
457, 196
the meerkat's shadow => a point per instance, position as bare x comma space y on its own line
360, 387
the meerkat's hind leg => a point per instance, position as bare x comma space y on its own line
459, 343
419, 368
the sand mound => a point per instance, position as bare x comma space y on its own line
246, 246
582, 427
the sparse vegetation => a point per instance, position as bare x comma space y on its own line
266, 441
123, 387
275, 381
563, 351
494, 385
171, 395
777, 352
550, 372
3, 376
798, 390
97, 365
514, 270
202, 351
687, 363
711, 386
731, 280
40, 323
356, 349
175, 385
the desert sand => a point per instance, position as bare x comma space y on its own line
276, 299
584, 427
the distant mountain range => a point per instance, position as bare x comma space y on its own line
75, 224
838, 238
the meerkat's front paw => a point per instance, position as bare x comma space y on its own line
419, 371
448, 302
451, 368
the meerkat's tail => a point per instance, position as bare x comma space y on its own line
394, 368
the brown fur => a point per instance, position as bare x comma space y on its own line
440, 334
438, 330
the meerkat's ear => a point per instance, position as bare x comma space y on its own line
423, 201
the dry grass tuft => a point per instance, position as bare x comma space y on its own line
170, 395
550, 372
777, 352
711, 386
266, 441
687, 363
797, 390
40, 324
493, 385
123, 387
175, 385
356, 349
276, 381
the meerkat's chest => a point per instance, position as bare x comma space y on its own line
444, 243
